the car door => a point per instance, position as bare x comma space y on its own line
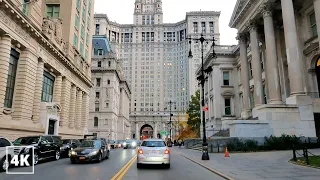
51, 146
43, 148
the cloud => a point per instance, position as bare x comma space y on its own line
121, 11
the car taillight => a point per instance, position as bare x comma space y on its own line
140, 151
167, 151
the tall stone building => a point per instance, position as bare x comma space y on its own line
110, 96
45, 54
155, 59
269, 83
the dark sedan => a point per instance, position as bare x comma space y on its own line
129, 144
90, 150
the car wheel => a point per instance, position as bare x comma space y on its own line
139, 166
57, 156
35, 158
4, 164
100, 157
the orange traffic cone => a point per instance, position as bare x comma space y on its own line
226, 152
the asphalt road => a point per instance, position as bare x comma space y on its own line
121, 162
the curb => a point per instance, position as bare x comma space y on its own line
208, 168
305, 165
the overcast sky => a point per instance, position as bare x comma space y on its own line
121, 11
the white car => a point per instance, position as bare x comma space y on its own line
4, 163
153, 151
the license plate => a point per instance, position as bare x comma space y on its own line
153, 151
82, 158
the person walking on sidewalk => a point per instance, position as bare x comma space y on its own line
180, 143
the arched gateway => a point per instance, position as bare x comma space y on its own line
146, 131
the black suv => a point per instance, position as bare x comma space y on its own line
45, 147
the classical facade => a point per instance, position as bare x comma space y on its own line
274, 75
45, 76
110, 96
155, 59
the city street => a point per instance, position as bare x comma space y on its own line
181, 168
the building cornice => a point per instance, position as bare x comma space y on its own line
38, 35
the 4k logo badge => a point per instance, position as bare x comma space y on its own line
20, 157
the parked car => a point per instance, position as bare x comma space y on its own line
69, 144
130, 143
4, 162
90, 150
45, 147
153, 151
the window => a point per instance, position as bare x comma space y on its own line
98, 82
76, 22
203, 26
226, 79
107, 105
211, 25
108, 81
252, 99
97, 29
95, 122
261, 59
227, 106
24, 7
83, 13
100, 52
250, 69
87, 39
99, 63
75, 40
78, 4
82, 31
195, 27
97, 94
264, 94
47, 87
313, 24
97, 107
109, 63
13, 63
53, 10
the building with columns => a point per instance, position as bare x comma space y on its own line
110, 96
274, 77
155, 60
45, 67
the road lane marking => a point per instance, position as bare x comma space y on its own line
125, 171
208, 168
124, 167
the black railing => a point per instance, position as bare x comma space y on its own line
305, 154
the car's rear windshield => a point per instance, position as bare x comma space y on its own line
153, 144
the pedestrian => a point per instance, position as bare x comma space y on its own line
180, 143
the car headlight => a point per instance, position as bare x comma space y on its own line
26, 150
73, 153
124, 143
134, 143
94, 153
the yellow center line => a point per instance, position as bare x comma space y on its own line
125, 171
124, 167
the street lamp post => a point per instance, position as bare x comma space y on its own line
170, 121
201, 78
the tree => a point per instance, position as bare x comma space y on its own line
188, 132
194, 119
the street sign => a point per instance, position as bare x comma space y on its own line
163, 132
205, 108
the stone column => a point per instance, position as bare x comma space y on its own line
72, 108
244, 76
65, 101
5, 47
137, 131
271, 59
84, 111
38, 92
155, 130
316, 4
57, 89
256, 65
78, 119
292, 48
25, 85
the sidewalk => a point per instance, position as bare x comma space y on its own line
256, 166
